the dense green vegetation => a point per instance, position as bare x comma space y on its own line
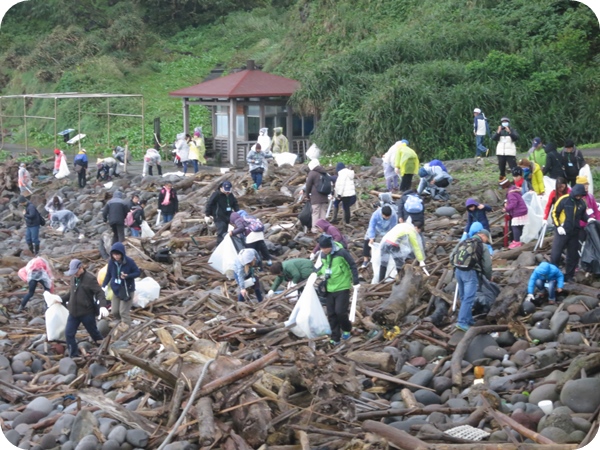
376, 70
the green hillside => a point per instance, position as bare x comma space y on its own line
375, 70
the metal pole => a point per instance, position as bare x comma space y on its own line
55, 124
25, 119
126, 153
108, 119
143, 129
79, 121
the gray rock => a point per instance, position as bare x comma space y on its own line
555, 434
23, 428
111, 445
23, 356
433, 351
477, 345
573, 338
582, 396
19, 366
555, 376
67, 367
526, 259
506, 339
48, 441
437, 418
445, 211
592, 316
501, 384
4, 363
87, 443
83, 425
527, 308
406, 424
498, 436
427, 397
440, 384
13, 437
37, 365
581, 424
543, 392
457, 403
40, 404
522, 358
559, 322
546, 357
118, 434
542, 335
69, 445
28, 417
97, 369
137, 438
63, 424
415, 348
421, 378
179, 445
560, 420
576, 437
494, 352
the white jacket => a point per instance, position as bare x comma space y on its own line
344, 185
390, 155
506, 146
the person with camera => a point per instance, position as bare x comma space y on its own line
257, 164
506, 150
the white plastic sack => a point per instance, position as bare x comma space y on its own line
585, 171
391, 271
223, 258
549, 186
311, 321
56, 317
313, 152
292, 296
535, 217
285, 158
146, 230
146, 290
63, 169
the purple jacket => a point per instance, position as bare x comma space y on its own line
330, 230
590, 202
515, 205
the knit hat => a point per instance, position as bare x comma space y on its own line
325, 241
340, 166
477, 110
56, 151
582, 180
505, 119
487, 234
313, 163
517, 171
504, 182
422, 172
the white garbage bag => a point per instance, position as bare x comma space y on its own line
313, 152
63, 169
146, 230
292, 296
223, 258
391, 271
56, 317
585, 171
535, 217
285, 158
146, 290
352, 314
311, 321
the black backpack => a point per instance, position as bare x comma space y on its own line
468, 253
324, 186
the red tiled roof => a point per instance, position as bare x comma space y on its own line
246, 83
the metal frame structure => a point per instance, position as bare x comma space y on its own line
66, 95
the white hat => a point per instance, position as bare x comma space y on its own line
477, 110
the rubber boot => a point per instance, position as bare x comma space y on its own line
150, 170
382, 271
36, 248
347, 216
30, 248
334, 219
159, 168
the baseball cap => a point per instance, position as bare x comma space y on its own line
536, 141
227, 186
74, 266
486, 233
477, 110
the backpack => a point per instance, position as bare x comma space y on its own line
413, 204
42, 220
253, 224
385, 199
129, 219
324, 186
468, 253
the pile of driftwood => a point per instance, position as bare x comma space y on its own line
223, 374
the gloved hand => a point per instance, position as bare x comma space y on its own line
464, 236
54, 171
105, 289
208, 220
422, 263
591, 219
589, 211
561, 231
529, 298
270, 294
356, 286
103, 313
312, 256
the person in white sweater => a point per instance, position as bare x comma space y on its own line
345, 192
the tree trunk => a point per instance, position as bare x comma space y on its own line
379, 360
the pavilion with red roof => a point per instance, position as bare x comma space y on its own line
241, 104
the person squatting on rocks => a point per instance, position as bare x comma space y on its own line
219, 207
80, 164
401, 243
433, 174
517, 209
476, 212
562, 188
572, 161
345, 192
406, 164
325, 227
107, 167
152, 158
280, 143
295, 270
33, 222
340, 272
58, 157
257, 164
24, 179
506, 150
568, 214
554, 166
382, 221
36, 271
470, 262
245, 275
121, 274
65, 221
81, 302
168, 203
316, 191
114, 213
410, 208
251, 232
545, 274
481, 129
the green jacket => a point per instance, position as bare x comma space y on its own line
343, 269
539, 156
295, 270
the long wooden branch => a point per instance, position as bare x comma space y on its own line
399, 438
150, 367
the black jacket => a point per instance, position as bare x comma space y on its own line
572, 162
138, 216
81, 296
554, 165
32, 216
173, 206
115, 211
568, 211
220, 206
312, 184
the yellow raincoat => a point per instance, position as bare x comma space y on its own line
407, 161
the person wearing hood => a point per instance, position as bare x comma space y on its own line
121, 274
476, 212
588, 198
562, 188
475, 228
245, 274
194, 153
242, 222
554, 166
572, 161
325, 227
81, 301
58, 157
389, 172
382, 221
406, 164
532, 173
33, 222
36, 271
183, 151
543, 274
80, 164
318, 201
340, 272
24, 179
152, 158
515, 206
119, 155
280, 143
481, 129
434, 176
168, 203
536, 153
568, 213
257, 164
506, 150
114, 213
402, 242
200, 145
219, 207
410, 207
264, 140
295, 270
345, 192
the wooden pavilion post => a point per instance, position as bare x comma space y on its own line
290, 126
186, 115
233, 159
